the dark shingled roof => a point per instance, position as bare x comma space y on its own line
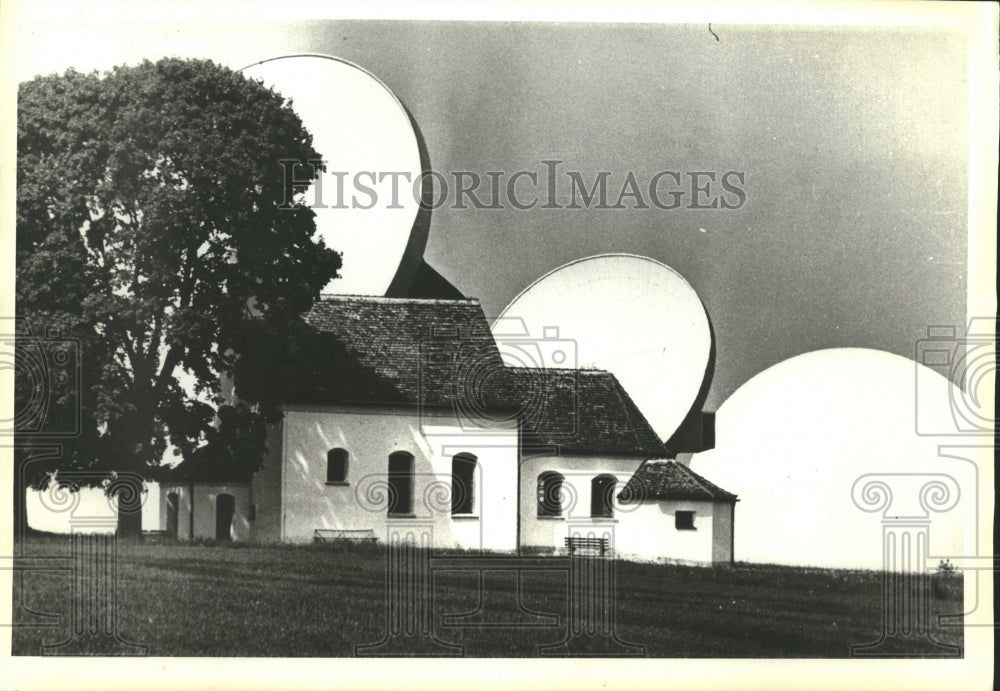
663, 479
441, 353
584, 411
398, 350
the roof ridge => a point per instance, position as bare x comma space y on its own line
337, 297
561, 369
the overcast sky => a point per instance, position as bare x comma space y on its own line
853, 143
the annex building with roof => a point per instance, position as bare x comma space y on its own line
404, 413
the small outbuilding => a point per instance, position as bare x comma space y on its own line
671, 513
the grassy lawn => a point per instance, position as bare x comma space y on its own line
318, 601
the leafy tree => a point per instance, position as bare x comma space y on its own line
150, 214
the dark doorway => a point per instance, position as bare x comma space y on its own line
602, 493
129, 501
173, 507
225, 508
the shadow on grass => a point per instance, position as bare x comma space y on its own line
323, 599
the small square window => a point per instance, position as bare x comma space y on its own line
684, 520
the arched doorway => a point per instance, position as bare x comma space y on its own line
602, 496
173, 509
225, 509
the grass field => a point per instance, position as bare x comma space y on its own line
317, 601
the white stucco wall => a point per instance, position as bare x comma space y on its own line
722, 532
370, 434
549, 533
648, 532
204, 509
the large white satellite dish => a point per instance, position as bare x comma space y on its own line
358, 126
793, 441
625, 313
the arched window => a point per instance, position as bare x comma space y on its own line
400, 483
550, 494
602, 496
463, 487
336, 466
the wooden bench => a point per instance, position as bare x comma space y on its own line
155, 536
587, 544
328, 535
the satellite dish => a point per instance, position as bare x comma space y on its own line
627, 314
358, 125
794, 440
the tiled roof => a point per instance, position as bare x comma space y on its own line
584, 411
663, 479
394, 350
441, 353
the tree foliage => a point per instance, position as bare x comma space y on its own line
147, 220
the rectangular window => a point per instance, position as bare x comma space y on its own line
684, 520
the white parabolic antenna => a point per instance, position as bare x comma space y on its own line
359, 127
627, 314
797, 441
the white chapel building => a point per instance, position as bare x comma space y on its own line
409, 417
